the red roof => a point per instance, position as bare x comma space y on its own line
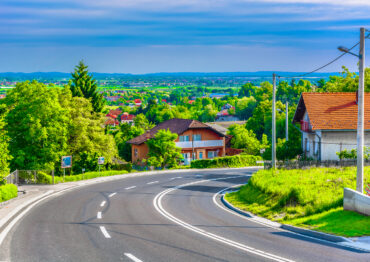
110, 115
127, 117
331, 111
175, 125
191, 101
111, 122
137, 101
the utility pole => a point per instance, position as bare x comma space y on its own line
286, 121
360, 121
273, 145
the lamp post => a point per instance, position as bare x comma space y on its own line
360, 105
273, 142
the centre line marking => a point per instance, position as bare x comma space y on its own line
98, 215
157, 202
104, 231
102, 204
112, 194
152, 182
175, 177
131, 187
132, 257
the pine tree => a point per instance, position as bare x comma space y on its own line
83, 85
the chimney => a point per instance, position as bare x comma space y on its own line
147, 135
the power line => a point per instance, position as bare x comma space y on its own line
327, 64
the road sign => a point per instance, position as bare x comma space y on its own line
66, 161
101, 160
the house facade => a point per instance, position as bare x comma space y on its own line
329, 123
196, 140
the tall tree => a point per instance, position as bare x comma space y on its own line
84, 85
37, 125
5, 157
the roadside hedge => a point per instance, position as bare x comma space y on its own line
227, 161
43, 178
7, 192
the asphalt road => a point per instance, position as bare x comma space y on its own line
147, 218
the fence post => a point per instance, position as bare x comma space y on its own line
52, 175
35, 175
17, 176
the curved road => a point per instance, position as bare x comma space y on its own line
151, 218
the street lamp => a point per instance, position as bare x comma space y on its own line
360, 105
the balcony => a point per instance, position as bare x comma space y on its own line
204, 143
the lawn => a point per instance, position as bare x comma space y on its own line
311, 198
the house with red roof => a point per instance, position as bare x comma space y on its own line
137, 102
329, 123
127, 118
196, 140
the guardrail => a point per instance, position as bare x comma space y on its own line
298, 164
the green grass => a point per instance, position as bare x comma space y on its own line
43, 178
7, 192
311, 198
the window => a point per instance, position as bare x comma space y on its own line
184, 138
197, 137
212, 154
307, 145
136, 152
200, 155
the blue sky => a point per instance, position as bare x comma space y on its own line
143, 36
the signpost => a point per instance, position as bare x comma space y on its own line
66, 163
101, 161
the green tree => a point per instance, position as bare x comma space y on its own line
37, 125
83, 85
245, 106
163, 151
247, 90
86, 133
245, 139
126, 133
5, 157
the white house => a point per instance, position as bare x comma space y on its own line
329, 123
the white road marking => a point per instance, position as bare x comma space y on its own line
102, 204
132, 257
104, 231
175, 177
98, 215
112, 194
158, 206
152, 182
131, 187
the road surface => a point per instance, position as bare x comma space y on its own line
157, 218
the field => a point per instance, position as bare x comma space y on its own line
311, 198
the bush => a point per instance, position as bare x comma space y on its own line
7, 192
227, 161
43, 178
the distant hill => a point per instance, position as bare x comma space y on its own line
61, 75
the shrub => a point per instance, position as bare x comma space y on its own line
7, 192
43, 178
227, 161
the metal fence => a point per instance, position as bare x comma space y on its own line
12, 178
19, 177
301, 164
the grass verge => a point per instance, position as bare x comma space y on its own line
7, 192
311, 198
43, 178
